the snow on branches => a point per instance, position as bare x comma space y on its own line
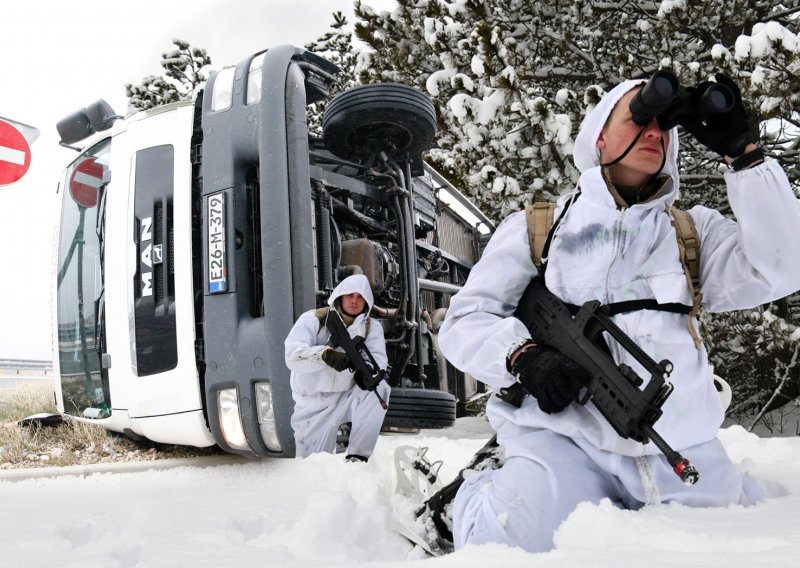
185, 71
512, 79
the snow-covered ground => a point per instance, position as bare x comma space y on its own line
324, 512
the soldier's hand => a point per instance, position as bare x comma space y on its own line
552, 378
727, 134
336, 359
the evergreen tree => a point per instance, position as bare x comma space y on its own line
512, 79
185, 69
756, 351
337, 47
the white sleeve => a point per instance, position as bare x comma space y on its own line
301, 352
479, 328
755, 259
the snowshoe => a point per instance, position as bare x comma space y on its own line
417, 477
432, 527
417, 481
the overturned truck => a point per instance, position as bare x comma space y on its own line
193, 235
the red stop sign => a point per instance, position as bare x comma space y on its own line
84, 182
15, 154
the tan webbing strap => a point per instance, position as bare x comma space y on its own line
540, 219
322, 313
689, 249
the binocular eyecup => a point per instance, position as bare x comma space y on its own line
663, 98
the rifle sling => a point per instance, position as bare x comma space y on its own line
633, 305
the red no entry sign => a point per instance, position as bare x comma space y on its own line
84, 182
15, 154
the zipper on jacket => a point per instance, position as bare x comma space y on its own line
617, 250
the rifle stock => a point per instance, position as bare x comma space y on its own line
614, 389
357, 352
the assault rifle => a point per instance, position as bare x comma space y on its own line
367, 377
613, 388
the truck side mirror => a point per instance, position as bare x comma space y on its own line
82, 123
101, 115
320, 75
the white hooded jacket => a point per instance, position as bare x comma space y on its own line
612, 254
308, 338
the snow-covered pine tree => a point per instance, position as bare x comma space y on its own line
758, 352
512, 79
337, 47
185, 69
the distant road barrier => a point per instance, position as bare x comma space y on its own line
25, 367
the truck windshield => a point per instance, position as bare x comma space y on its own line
80, 298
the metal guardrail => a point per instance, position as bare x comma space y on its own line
14, 367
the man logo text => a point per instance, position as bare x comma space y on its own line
146, 266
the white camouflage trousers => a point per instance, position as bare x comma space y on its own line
524, 502
316, 420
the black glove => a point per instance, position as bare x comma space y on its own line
368, 382
336, 359
726, 134
552, 378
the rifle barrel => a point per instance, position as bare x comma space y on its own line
680, 465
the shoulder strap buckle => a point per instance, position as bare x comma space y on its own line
540, 220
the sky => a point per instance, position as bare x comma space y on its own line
58, 57
322, 511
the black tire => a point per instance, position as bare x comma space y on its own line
420, 408
389, 117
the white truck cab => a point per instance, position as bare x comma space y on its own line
193, 235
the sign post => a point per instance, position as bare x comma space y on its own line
15, 154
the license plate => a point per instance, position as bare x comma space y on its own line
217, 272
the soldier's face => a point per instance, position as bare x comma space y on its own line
644, 159
353, 304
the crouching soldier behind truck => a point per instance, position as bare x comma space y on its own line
326, 391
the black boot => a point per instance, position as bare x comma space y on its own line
355, 458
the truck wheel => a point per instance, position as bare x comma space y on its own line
389, 117
420, 408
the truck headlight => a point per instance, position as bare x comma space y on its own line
222, 94
230, 420
266, 416
254, 79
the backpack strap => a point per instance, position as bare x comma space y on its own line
540, 220
541, 228
689, 250
321, 314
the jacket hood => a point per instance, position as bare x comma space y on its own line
355, 283
587, 155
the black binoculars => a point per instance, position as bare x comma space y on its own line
663, 98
